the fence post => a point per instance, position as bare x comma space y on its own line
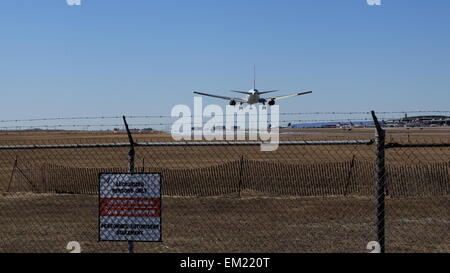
380, 181
12, 174
240, 174
131, 154
347, 184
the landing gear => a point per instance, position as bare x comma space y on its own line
241, 107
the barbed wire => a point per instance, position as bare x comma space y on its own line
303, 119
157, 124
224, 115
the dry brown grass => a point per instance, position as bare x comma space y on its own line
47, 222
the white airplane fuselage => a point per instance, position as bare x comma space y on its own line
252, 97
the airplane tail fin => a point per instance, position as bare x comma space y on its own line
254, 77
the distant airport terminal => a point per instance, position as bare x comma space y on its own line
413, 121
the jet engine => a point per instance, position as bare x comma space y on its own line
271, 102
232, 102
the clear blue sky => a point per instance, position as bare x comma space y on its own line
112, 57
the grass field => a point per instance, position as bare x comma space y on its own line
296, 199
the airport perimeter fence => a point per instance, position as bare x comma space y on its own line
307, 196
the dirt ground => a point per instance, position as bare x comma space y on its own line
46, 223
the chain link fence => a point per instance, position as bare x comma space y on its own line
307, 196
417, 196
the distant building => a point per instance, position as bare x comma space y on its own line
354, 124
422, 121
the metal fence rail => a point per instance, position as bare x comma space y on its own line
183, 143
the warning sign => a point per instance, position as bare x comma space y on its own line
130, 207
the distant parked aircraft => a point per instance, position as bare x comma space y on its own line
350, 125
252, 96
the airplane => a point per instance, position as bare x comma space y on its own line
253, 96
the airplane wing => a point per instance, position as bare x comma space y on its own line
271, 91
290, 95
240, 92
246, 92
220, 97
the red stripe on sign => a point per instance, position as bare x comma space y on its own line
130, 207
129, 213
